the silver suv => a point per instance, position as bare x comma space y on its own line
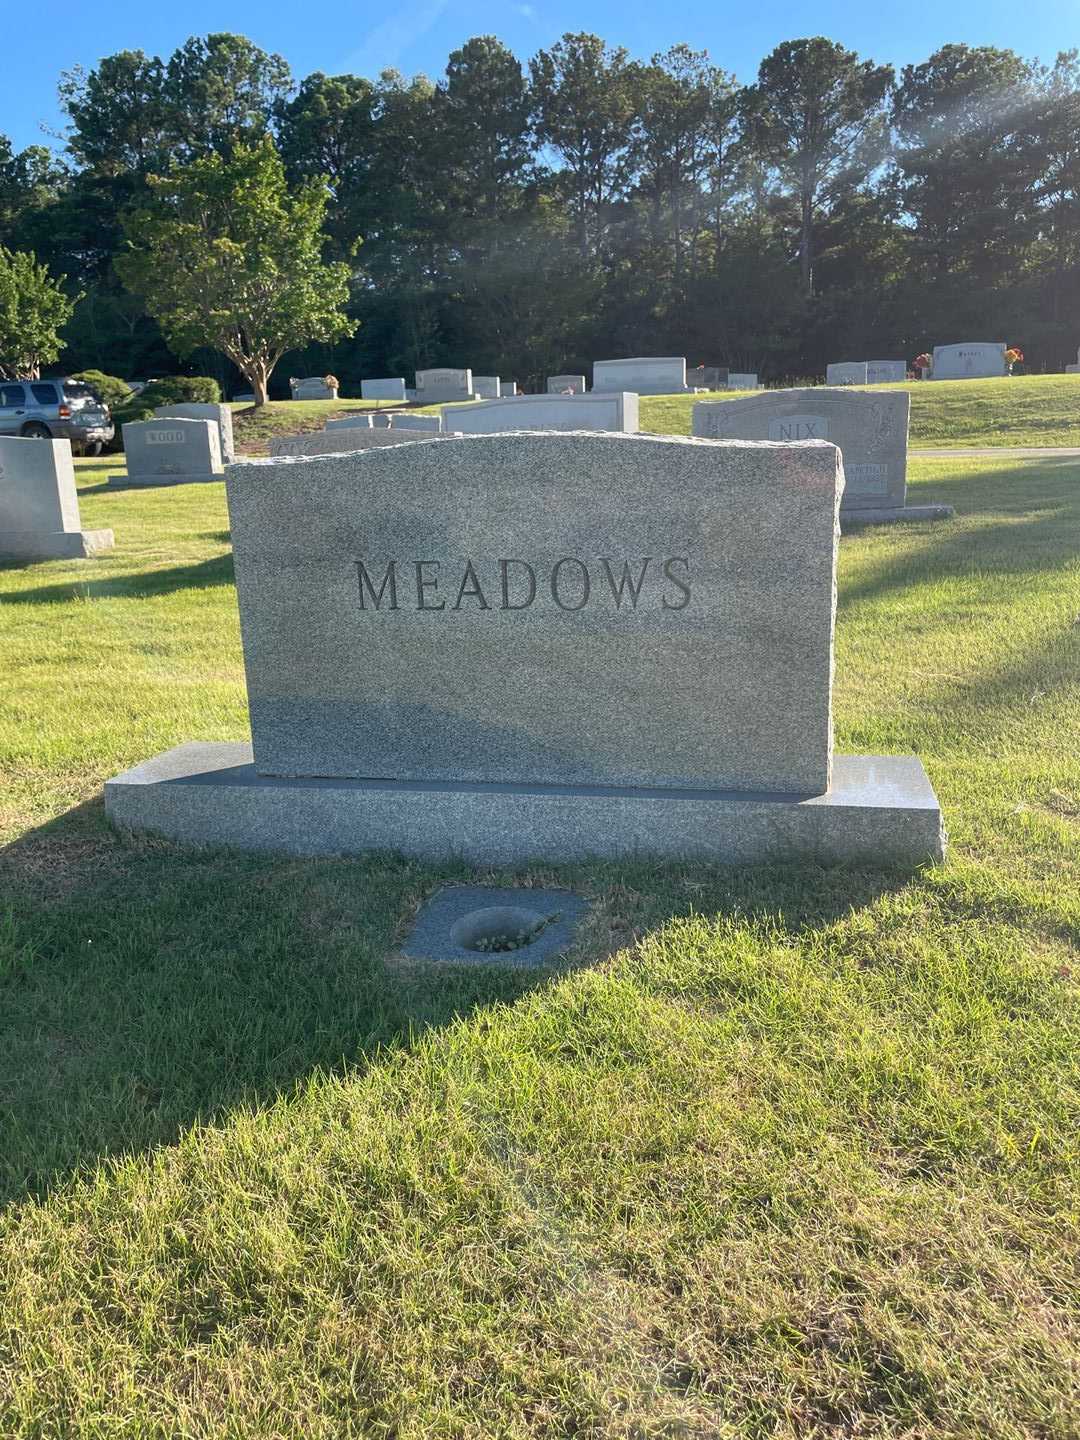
60, 409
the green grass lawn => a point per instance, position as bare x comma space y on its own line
777, 1152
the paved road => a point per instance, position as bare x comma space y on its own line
1001, 452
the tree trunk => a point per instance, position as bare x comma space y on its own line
257, 374
806, 244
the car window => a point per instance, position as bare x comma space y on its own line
76, 390
11, 395
44, 394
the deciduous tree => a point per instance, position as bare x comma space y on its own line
227, 256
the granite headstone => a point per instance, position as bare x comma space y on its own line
546, 412
39, 506
170, 452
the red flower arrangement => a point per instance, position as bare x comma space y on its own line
1014, 356
922, 362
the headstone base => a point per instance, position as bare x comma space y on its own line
891, 515
54, 545
881, 810
143, 482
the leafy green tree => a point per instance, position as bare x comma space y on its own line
221, 93
329, 129
958, 116
226, 256
481, 112
816, 117
33, 308
584, 103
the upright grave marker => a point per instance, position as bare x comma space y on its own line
540, 646
437, 387
219, 415
39, 506
885, 372
170, 452
312, 387
359, 420
846, 372
546, 412
870, 428
741, 381
562, 384
388, 389
707, 377
972, 360
487, 387
643, 374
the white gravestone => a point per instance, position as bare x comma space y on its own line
643, 374
741, 381
39, 506
886, 372
846, 372
220, 415
508, 387
170, 452
387, 389
870, 429
974, 360
546, 412
439, 387
312, 387
560, 384
487, 387
360, 421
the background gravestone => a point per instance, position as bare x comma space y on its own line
388, 389
742, 381
487, 387
546, 412
170, 452
871, 430
643, 374
972, 360
219, 415
39, 505
847, 372
559, 384
436, 387
312, 387
361, 420
886, 372
707, 377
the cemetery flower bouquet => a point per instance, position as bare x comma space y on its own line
1014, 356
921, 362
331, 381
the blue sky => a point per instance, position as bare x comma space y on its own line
417, 35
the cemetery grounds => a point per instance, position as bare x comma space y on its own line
776, 1152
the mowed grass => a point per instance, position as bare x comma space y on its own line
1018, 410
778, 1152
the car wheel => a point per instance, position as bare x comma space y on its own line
36, 431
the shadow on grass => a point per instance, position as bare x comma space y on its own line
1025, 524
216, 571
145, 987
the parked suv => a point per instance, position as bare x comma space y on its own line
59, 409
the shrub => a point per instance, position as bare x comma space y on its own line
170, 390
106, 387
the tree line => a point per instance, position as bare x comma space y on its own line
527, 219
